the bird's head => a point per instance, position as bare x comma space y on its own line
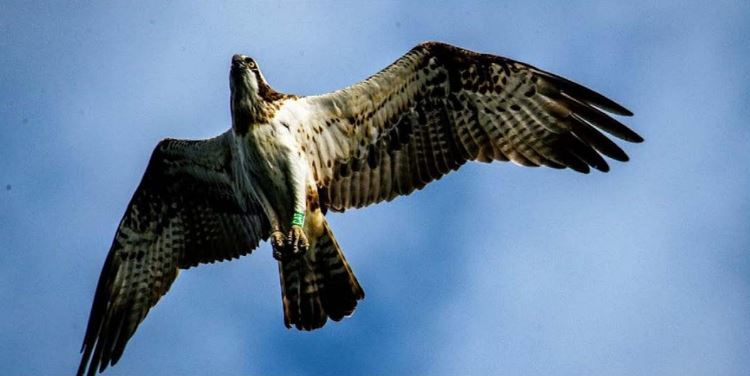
245, 77
249, 92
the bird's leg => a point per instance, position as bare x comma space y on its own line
297, 240
297, 178
278, 241
277, 238
294, 243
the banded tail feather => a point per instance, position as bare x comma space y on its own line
319, 285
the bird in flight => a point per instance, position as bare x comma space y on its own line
287, 160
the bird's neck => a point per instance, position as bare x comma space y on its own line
254, 107
248, 110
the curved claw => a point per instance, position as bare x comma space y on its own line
278, 242
297, 240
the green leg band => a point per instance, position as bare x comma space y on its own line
298, 219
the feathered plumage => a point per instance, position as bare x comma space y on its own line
426, 114
440, 106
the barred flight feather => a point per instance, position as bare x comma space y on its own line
440, 106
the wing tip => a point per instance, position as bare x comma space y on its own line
624, 112
636, 138
612, 106
627, 134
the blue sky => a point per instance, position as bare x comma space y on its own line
494, 269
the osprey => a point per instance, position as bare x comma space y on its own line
287, 160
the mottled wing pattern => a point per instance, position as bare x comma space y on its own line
185, 211
439, 106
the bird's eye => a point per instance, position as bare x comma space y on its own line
251, 64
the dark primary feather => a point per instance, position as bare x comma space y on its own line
185, 211
438, 107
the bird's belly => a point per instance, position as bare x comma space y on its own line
269, 163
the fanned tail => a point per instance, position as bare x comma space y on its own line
319, 285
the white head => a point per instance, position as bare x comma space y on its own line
244, 87
250, 94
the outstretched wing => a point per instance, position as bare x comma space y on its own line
439, 106
187, 210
